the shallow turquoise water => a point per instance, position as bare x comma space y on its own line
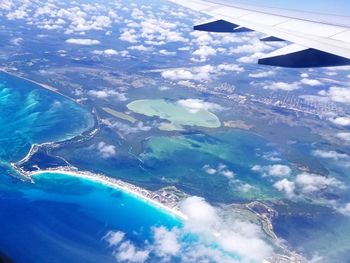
30, 114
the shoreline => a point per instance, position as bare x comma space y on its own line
42, 85
135, 191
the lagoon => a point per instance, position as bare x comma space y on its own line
176, 114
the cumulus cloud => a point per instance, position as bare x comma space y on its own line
106, 52
345, 136
201, 73
253, 49
166, 53
107, 93
275, 170
196, 73
235, 241
309, 183
129, 35
195, 105
236, 237
337, 94
141, 48
341, 121
126, 129
262, 74
114, 238
220, 169
286, 186
127, 252
124, 250
336, 156
203, 52
311, 82
166, 242
105, 150
82, 41
282, 86
345, 210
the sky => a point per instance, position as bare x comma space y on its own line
340, 7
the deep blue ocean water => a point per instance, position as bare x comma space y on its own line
64, 219
58, 218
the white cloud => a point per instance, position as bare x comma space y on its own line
309, 183
201, 73
129, 36
311, 82
275, 170
345, 210
126, 129
195, 105
114, 238
127, 252
137, 14
230, 67
341, 121
262, 74
105, 150
110, 52
17, 14
344, 136
286, 186
166, 53
106, 52
330, 155
255, 46
193, 242
166, 242
244, 187
209, 170
82, 41
124, 250
17, 41
141, 48
234, 236
282, 86
197, 73
160, 32
107, 93
249, 59
221, 169
203, 52
337, 94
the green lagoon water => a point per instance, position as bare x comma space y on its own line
175, 113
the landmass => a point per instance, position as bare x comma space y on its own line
238, 124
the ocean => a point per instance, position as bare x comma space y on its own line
58, 218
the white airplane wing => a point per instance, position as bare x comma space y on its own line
317, 40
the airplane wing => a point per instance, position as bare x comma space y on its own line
317, 40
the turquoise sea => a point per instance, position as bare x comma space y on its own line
30, 114
58, 218
64, 219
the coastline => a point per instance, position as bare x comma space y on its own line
42, 85
135, 191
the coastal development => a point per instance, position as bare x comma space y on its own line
163, 199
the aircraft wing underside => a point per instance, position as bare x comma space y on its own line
317, 40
